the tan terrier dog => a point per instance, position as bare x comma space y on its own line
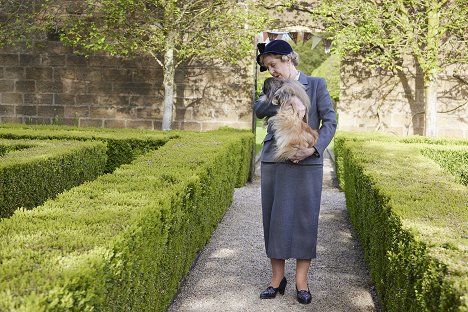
290, 123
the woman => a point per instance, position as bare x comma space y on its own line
291, 190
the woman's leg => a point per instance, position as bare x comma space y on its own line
277, 268
302, 272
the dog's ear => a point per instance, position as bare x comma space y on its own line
282, 95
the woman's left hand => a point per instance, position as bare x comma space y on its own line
302, 153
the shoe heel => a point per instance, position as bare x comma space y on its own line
282, 286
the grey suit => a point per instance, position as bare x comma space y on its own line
321, 109
291, 192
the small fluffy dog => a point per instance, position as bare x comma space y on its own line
290, 123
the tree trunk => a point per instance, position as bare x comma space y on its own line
431, 69
169, 73
430, 91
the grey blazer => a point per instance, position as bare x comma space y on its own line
322, 116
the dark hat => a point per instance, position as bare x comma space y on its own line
279, 47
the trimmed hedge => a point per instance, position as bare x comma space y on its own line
123, 241
123, 145
411, 218
39, 170
454, 160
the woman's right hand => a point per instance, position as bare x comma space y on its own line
298, 107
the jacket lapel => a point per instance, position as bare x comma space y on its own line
304, 81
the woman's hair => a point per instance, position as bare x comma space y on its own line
293, 56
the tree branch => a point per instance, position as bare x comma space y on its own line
454, 109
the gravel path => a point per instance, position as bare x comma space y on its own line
233, 269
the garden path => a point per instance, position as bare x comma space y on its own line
233, 269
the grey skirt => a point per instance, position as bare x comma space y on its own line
290, 206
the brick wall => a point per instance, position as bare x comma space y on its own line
49, 84
372, 100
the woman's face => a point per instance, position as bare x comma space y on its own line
278, 68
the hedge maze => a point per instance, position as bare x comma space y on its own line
407, 200
133, 210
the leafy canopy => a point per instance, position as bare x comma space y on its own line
383, 31
207, 28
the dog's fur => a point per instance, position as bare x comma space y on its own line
291, 131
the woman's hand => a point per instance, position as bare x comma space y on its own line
302, 153
298, 107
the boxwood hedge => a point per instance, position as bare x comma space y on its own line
123, 241
411, 217
33, 171
123, 145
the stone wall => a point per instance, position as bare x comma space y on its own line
49, 84
375, 100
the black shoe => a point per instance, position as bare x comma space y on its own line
304, 296
271, 292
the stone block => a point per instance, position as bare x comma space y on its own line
102, 112
12, 98
246, 116
88, 99
133, 87
100, 87
39, 73
113, 100
76, 60
76, 111
64, 99
38, 98
84, 73
103, 61
148, 112
50, 111
6, 110
53, 59
26, 110
25, 86
54, 47
113, 74
148, 75
399, 119
7, 85
75, 122
59, 73
9, 59
189, 126
14, 73
37, 120
49, 86
114, 123
212, 125
126, 112
146, 100
140, 124
74, 86
30, 59
8, 119
96, 123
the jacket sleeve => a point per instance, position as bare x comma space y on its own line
327, 117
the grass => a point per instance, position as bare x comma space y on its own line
260, 133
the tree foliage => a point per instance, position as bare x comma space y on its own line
381, 33
172, 31
384, 31
310, 58
205, 28
20, 20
